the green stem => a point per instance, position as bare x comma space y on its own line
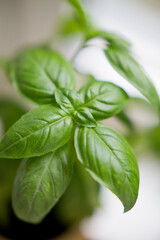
82, 46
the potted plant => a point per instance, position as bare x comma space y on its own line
61, 142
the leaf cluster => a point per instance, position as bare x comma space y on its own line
44, 136
64, 127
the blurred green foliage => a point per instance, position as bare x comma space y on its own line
10, 112
147, 139
80, 199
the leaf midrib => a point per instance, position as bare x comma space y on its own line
95, 98
39, 182
44, 72
114, 156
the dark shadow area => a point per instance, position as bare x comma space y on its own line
50, 227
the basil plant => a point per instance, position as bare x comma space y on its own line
66, 127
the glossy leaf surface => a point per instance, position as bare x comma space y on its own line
110, 161
103, 99
40, 131
38, 72
125, 65
40, 183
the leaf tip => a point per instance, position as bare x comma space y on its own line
127, 208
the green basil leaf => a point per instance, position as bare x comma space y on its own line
84, 117
80, 199
68, 100
110, 161
40, 182
40, 131
38, 72
104, 99
125, 65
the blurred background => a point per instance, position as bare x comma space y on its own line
29, 22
